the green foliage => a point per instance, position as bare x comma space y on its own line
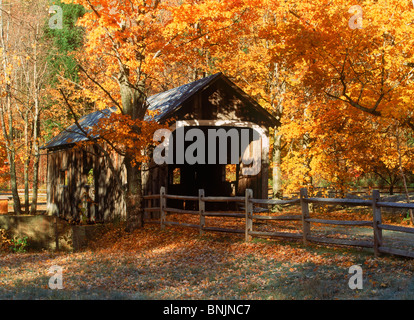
64, 41
18, 245
61, 43
90, 177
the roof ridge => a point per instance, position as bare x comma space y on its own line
167, 101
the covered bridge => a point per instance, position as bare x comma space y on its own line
209, 103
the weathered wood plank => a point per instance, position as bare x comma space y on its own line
341, 222
286, 217
178, 197
395, 205
224, 199
163, 205
396, 228
343, 242
151, 196
399, 252
306, 231
376, 215
248, 214
277, 234
275, 201
351, 202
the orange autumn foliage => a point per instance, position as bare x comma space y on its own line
337, 90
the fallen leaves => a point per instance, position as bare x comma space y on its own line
179, 264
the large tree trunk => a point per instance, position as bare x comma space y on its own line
133, 197
133, 103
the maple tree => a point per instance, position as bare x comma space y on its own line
305, 62
246, 56
337, 66
127, 45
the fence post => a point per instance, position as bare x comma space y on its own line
163, 205
376, 215
305, 215
201, 209
249, 212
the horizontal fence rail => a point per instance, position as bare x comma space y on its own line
304, 234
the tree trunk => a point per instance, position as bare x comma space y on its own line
26, 186
36, 160
8, 133
277, 161
391, 189
13, 183
26, 162
133, 103
133, 197
11, 152
36, 131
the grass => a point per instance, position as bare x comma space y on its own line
177, 263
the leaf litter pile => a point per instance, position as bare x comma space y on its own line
178, 263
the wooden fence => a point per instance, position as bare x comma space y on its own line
249, 215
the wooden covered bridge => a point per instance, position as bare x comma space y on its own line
211, 102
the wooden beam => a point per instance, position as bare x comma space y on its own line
224, 199
342, 242
395, 205
248, 214
177, 197
342, 222
305, 214
224, 214
163, 204
287, 217
277, 234
395, 228
350, 202
275, 201
399, 252
151, 196
376, 215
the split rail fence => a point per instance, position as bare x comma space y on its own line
249, 215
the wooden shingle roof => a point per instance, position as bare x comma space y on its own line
165, 103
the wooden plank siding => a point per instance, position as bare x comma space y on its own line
214, 99
66, 198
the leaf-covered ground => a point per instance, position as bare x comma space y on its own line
177, 263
